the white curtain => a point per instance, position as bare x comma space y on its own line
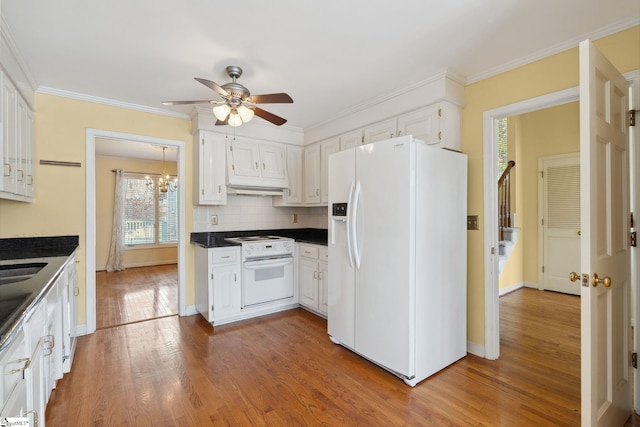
116, 251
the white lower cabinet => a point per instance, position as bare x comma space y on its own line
37, 355
218, 282
312, 276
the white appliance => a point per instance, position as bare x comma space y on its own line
267, 269
397, 255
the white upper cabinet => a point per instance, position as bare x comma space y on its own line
292, 195
16, 143
316, 161
312, 174
272, 159
255, 164
326, 149
435, 125
244, 158
351, 139
380, 131
209, 169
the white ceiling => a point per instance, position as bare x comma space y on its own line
331, 56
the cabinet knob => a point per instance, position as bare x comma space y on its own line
257, 165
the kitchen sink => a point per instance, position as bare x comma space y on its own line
13, 273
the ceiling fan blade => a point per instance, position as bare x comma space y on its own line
221, 122
271, 98
187, 102
270, 117
214, 86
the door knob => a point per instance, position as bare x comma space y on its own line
573, 276
606, 280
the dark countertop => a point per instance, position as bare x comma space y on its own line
18, 298
215, 239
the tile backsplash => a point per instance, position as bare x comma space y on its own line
256, 213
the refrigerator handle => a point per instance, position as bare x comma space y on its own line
349, 243
353, 219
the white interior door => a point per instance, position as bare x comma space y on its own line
604, 176
560, 183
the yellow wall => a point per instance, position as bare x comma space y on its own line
59, 204
542, 133
548, 75
105, 189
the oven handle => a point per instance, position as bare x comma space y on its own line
278, 262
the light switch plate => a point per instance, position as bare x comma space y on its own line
472, 222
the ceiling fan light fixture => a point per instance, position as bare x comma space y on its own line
221, 111
246, 114
234, 119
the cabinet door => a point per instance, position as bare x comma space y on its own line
9, 139
13, 360
308, 275
244, 157
272, 161
211, 174
380, 131
423, 124
16, 402
326, 148
293, 195
69, 314
24, 137
35, 382
312, 174
323, 287
226, 290
351, 139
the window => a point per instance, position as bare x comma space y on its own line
503, 143
150, 216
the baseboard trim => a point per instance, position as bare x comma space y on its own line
81, 330
190, 310
476, 349
510, 289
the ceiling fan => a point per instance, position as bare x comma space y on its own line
238, 105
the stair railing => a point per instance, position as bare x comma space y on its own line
504, 199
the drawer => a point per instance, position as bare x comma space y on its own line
324, 254
224, 255
307, 251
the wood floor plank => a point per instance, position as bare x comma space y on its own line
282, 370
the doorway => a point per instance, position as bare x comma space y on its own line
559, 222
90, 234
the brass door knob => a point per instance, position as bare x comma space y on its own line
606, 280
573, 276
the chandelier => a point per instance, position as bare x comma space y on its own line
165, 183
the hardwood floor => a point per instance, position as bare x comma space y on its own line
283, 370
136, 294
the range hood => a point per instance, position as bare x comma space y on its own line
253, 191
256, 167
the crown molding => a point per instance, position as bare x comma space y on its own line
560, 47
110, 102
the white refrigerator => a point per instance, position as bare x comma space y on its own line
398, 255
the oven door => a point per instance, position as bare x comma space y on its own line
267, 280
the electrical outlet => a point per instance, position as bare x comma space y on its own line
294, 218
472, 222
214, 219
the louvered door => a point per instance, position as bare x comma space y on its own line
561, 222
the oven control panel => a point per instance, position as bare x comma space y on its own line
269, 248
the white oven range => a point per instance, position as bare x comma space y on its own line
267, 269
